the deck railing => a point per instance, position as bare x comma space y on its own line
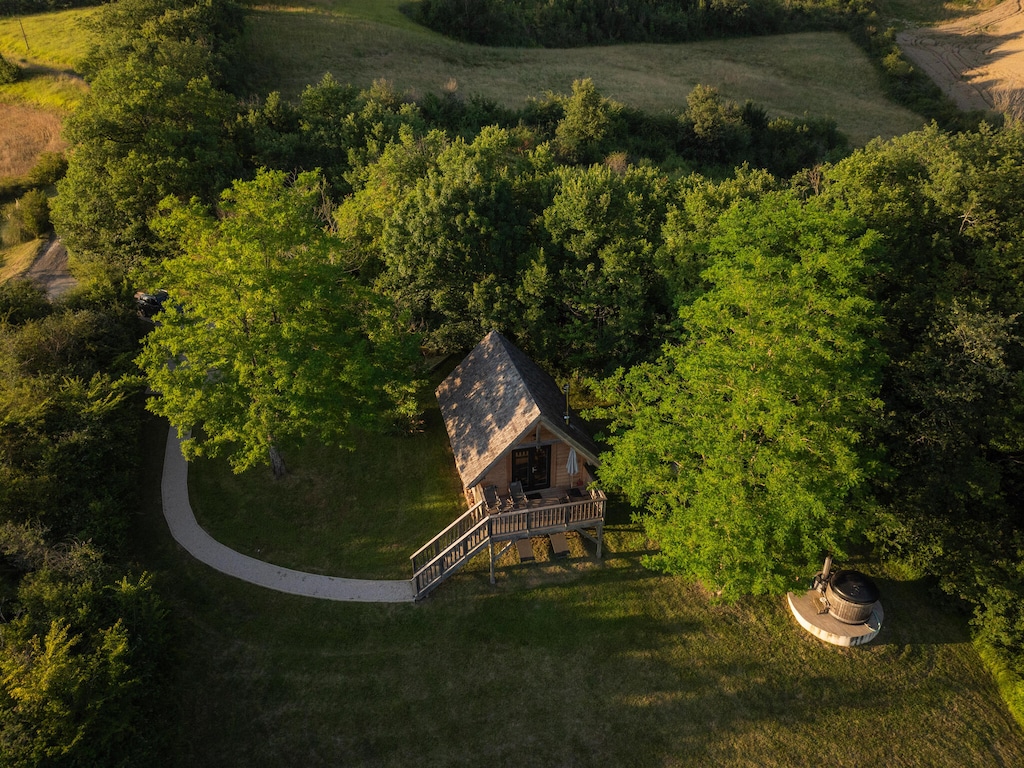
469, 534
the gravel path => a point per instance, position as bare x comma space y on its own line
50, 270
978, 61
198, 543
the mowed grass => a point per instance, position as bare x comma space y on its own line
56, 43
574, 662
358, 513
817, 74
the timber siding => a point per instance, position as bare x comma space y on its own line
495, 400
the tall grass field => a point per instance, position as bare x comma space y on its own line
817, 74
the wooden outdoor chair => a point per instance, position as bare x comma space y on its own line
515, 490
491, 500
559, 544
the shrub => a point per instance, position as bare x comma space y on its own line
9, 71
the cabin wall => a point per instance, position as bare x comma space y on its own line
501, 472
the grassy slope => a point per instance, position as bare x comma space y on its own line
820, 74
572, 662
16, 260
56, 43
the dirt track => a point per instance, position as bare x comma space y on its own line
978, 61
50, 270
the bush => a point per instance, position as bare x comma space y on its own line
9, 71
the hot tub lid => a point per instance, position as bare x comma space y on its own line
854, 587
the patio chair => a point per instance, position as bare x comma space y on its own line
491, 500
515, 490
559, 544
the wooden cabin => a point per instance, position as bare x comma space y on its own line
508, 421
525, 458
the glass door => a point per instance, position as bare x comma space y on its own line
532, 467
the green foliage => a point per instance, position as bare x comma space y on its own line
952, 300
144, 131
270, 338
48, 170
698, 204
28, 219
745, 442
68, 425
153, 124
21, 301
592, 299
582, 132
710, 133
334, 128
455, 242
569, 23
9, 71
78, 657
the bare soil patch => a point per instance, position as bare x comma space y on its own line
50, 270
25, 133
978, 61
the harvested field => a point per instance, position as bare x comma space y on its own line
978, 61
25, 133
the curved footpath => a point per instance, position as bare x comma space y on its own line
198, 543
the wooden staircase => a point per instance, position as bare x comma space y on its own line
457, 544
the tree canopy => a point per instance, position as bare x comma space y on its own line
744, 443
269, 337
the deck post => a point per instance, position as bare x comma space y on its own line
490, 550
600, 538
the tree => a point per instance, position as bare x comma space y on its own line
745, 441
951, 293
144, 132
456, 240
593, 298
581, 134
80, 654
269, 338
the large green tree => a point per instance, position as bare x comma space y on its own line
951, 293
270, 338
593, 299
455, 243
745, 442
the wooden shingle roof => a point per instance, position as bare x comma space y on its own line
494, 397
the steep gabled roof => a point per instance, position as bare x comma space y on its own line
495, 396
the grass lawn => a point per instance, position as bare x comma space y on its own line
16, 260
573, 662
56, 42
820, 74
359, 514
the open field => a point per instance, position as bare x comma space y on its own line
55, 40
977, 60
819, 74
572, 662
25, 133
17, 260
47, 47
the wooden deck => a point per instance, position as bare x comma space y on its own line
555, 512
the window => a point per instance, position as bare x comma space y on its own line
532, 467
